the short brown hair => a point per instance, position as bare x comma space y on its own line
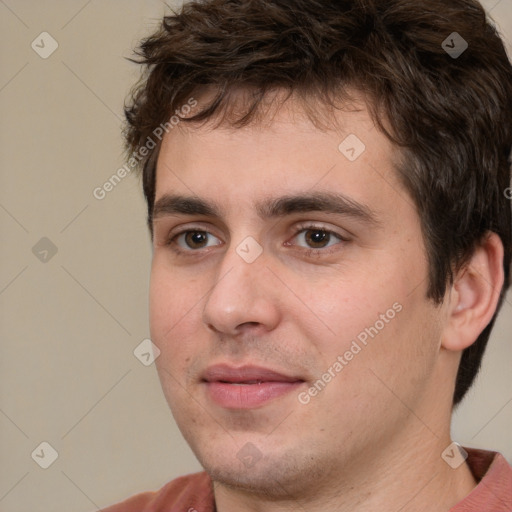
449, 114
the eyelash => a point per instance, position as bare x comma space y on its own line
321, 251
171, 242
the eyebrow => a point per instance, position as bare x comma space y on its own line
327, 202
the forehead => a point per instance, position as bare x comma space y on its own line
285, 152
277, 118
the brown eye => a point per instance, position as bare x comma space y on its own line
196, 239
312, 237
317, 238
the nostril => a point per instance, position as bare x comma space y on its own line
249, 324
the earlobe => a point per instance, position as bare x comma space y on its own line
474, 295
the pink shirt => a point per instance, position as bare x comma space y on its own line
194, 493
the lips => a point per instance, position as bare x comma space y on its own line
247, 387
244, 374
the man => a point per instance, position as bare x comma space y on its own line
326, 185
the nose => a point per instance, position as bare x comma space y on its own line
242, 297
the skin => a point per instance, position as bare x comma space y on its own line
372, 438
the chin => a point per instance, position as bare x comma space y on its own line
276, 475
267, 479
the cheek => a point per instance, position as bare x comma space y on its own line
334, 309
375, 309
173, 320
173, 310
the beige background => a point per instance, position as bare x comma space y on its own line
69, 326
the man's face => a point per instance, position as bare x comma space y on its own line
295, 336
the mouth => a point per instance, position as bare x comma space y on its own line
247, 387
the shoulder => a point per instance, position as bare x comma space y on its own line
494, 489
185, 494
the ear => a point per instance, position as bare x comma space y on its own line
474, 295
